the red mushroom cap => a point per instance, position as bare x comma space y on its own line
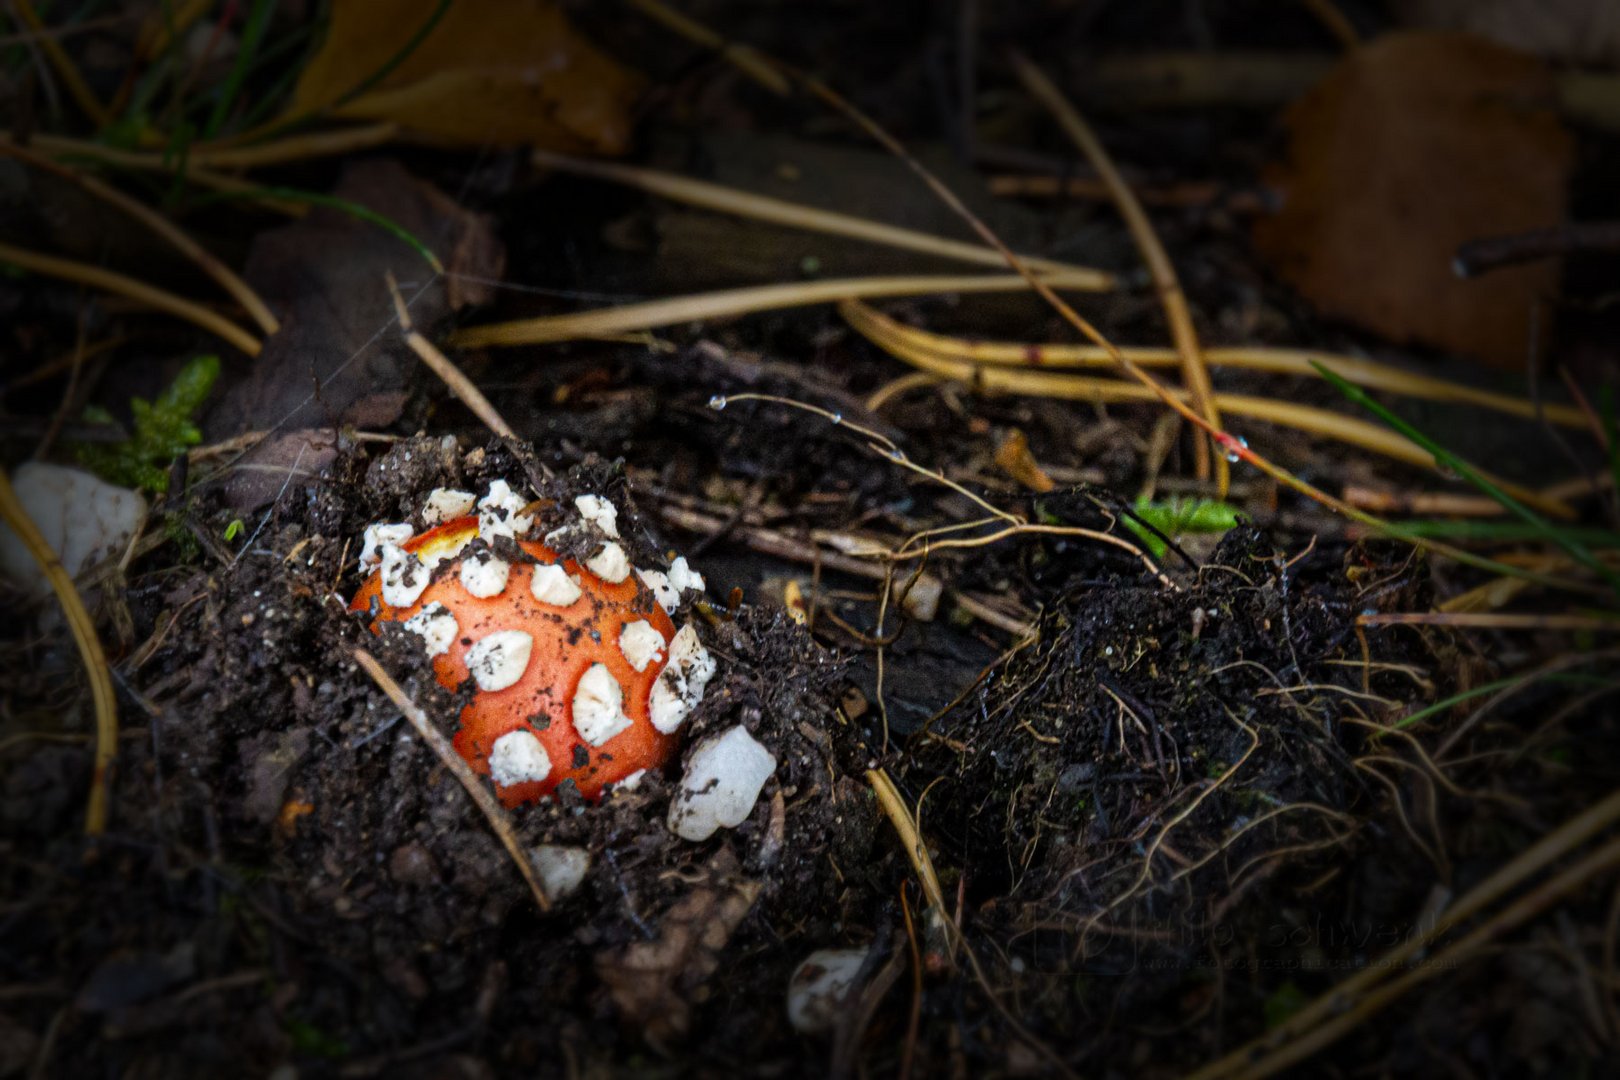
521, 728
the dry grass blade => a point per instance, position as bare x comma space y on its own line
108, 281
163, 227
460, 769
65, 147
1320, 1011
84, 636
1279, 361
1375, 1001
726, 200
1153, 253
83, 96
728, 303
459, 384
744, 58
1345, 429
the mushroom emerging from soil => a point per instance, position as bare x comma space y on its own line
581, 675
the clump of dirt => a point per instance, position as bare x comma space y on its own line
1152, 782
329, 849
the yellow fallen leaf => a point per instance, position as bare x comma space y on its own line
499, 72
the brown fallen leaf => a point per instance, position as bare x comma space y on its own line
334, 362
489, 71
1413, 145
655, 983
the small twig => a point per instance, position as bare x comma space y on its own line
1153, 253
1478, 257
1493, 621
744, 58
66, 70
460, 769
121, 285
84, 635
459, 384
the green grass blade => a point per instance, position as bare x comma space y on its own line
258, 21
1446, 459
353, 209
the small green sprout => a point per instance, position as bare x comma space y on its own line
234, 529
1181, 517
163, 431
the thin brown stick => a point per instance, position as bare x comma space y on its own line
744, 58
446, 753
227, 278
1333, 21
1153, 254
83, 628
1493, 621
139, 291
459, 384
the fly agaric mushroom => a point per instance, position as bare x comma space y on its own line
581, 675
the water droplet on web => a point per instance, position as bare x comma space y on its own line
1234, 455
897, 455
837, 418
717, 402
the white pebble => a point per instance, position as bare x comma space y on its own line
668, 597
498, 660
681, 684
518, 758
724, 776
499, 512
436, 627
599, 706
551, 584
82, 518
561, 869
610, 564
446, 504
379, 535
484, 574
404, 578
599, 512
631, 782
820, 988
641, 643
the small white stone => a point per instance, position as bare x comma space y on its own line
631, 782
498, 660
668, 597
610, 564
561, 869
379, 535
599, 706
599, 512
446, 504
484, 574
83, 519
518, 758
724, 776
436, 627
682, 577
680, 686
641, 643
551, 584
499, 512
820, 987
404, 578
